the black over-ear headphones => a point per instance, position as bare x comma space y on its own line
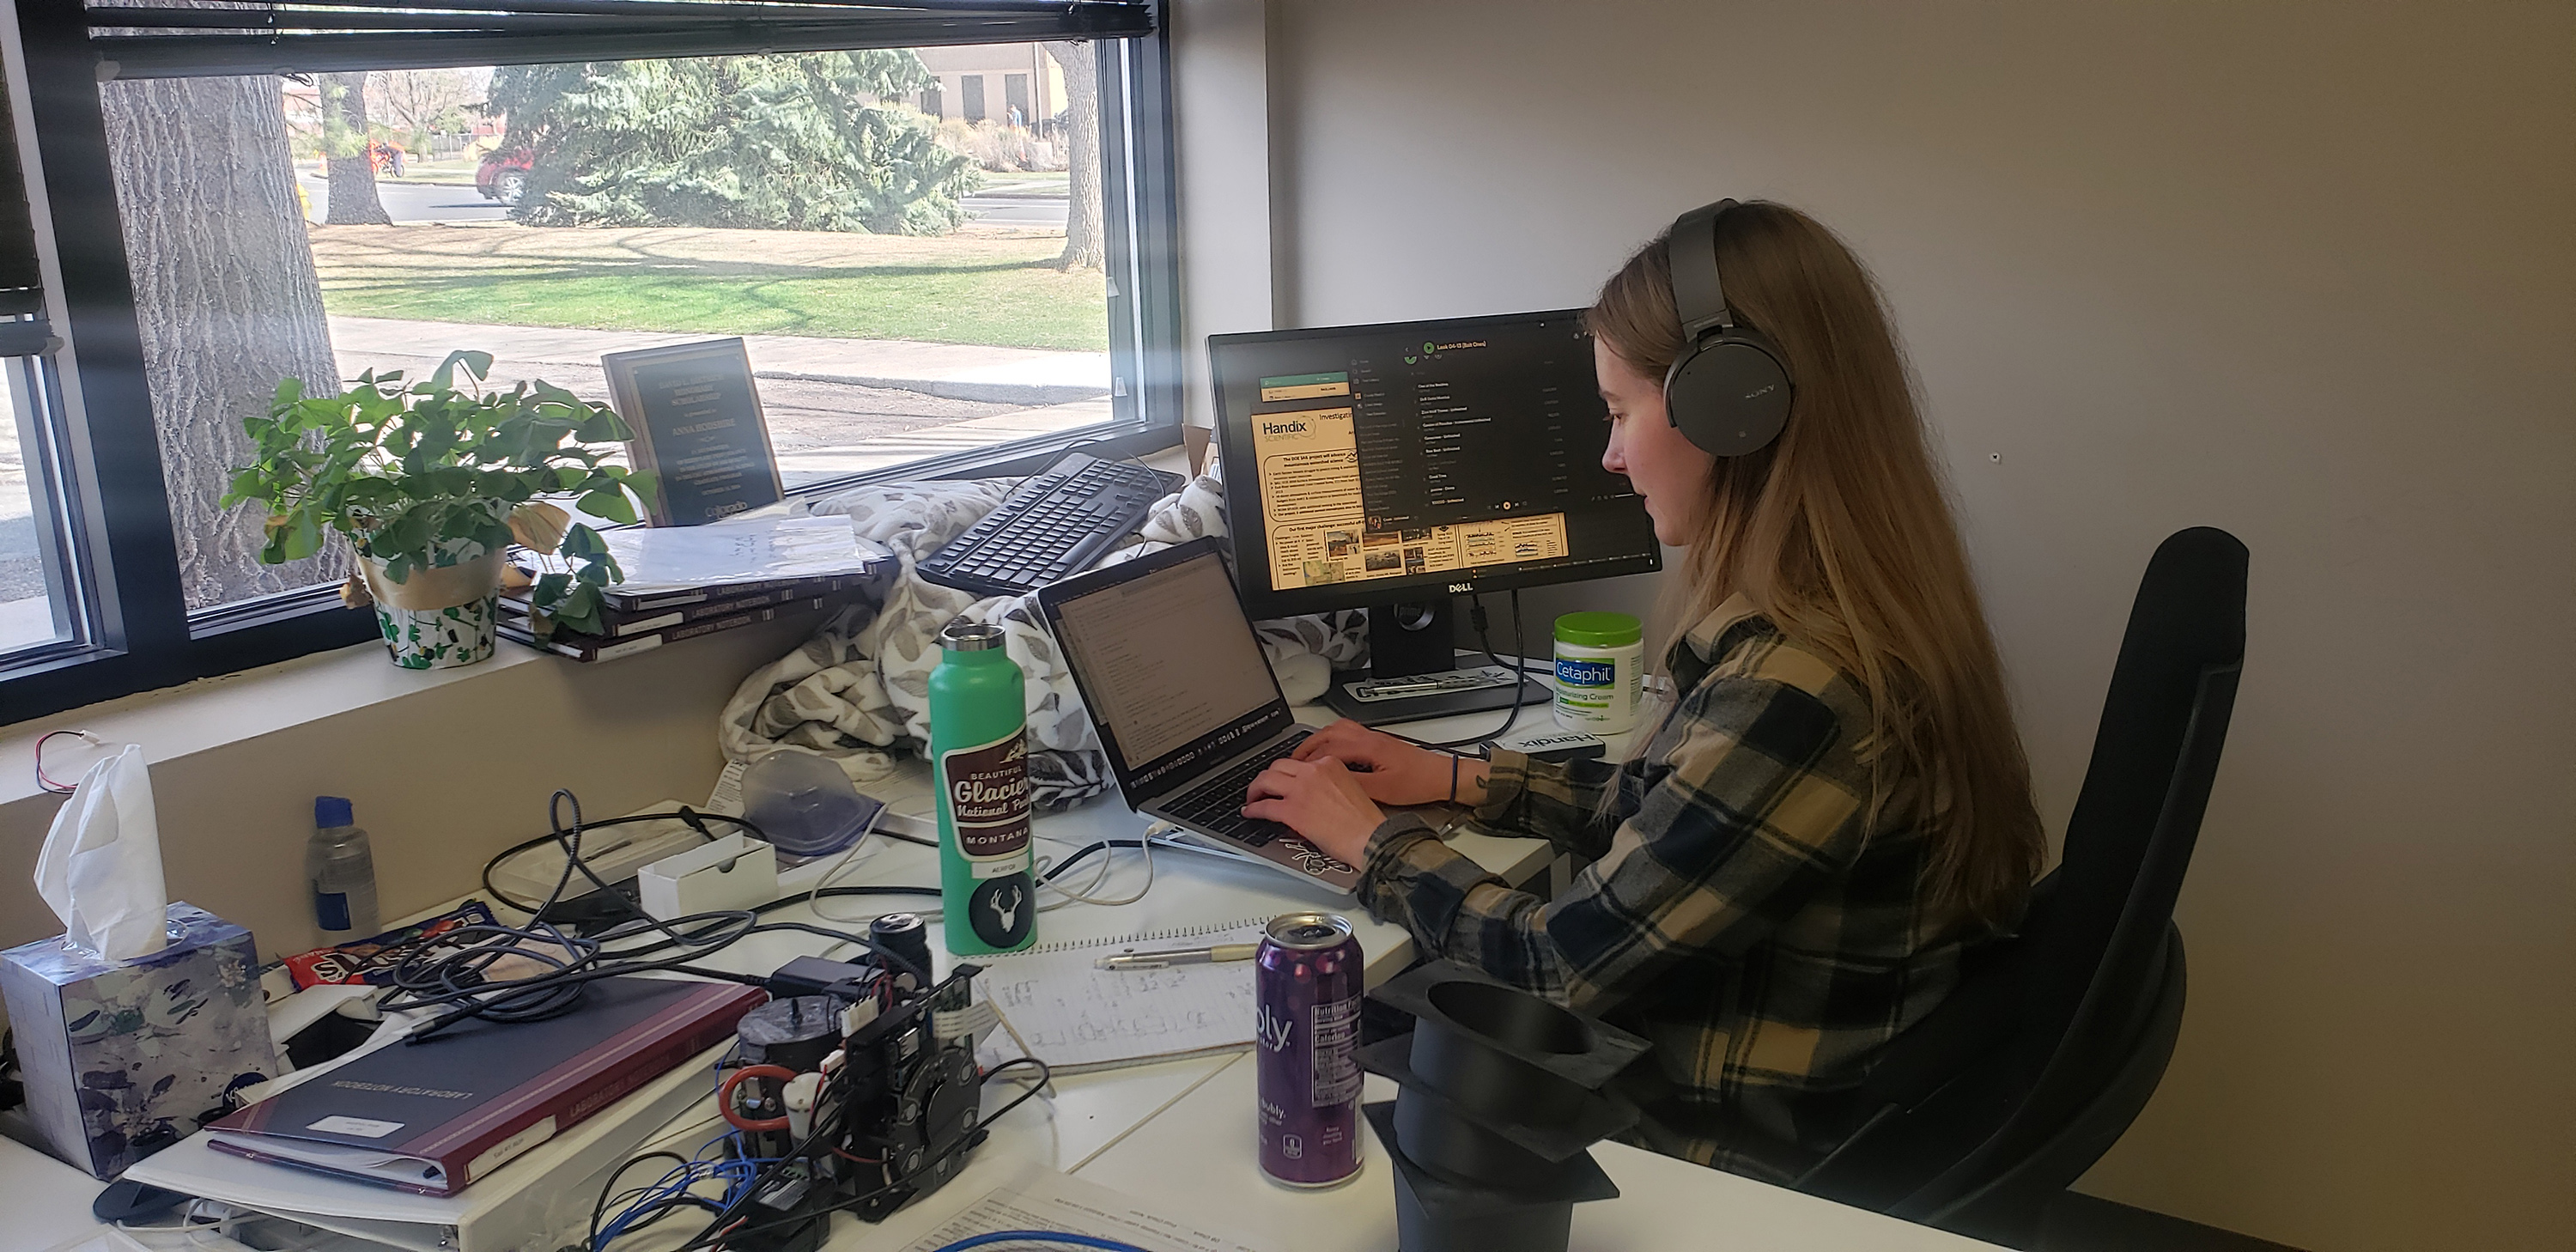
1728, 392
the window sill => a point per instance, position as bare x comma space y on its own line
210, 713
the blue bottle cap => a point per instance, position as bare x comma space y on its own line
330, 811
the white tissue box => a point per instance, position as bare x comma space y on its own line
121, 1058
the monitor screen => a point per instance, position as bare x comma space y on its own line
1400, 462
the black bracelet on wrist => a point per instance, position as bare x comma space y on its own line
1454, 758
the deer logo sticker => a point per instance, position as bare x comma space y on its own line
999, 911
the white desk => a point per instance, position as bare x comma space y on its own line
1197, 1159
1180, 1134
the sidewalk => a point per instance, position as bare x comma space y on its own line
952, 371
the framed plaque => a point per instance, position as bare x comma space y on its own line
698, 429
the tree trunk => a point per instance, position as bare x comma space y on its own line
227, 301
353, 178
1083, 240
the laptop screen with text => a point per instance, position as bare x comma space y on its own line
1167, 661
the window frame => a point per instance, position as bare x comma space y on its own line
134, 630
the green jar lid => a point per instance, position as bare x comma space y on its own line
1599, 630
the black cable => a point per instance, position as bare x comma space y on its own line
461, 978
1520, 685
1086, 850
600, 1208
851, 891
684, 814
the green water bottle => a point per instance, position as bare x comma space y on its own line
980, 762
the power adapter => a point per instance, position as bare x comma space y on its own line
814, 976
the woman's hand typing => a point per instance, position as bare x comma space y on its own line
1391, 770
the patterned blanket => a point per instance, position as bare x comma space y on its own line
857, 692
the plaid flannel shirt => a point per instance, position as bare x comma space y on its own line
1746, 915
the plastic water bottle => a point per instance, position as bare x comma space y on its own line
980, 763
341, 871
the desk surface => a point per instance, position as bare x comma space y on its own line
1179, 1134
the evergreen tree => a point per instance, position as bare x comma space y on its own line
804, 142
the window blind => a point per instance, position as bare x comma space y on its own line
166, 40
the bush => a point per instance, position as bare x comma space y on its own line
772, 142
999, 148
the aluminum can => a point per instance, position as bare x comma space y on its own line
905, 936
1307, 1010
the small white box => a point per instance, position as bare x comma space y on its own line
735, 872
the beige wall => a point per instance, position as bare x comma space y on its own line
2300, 270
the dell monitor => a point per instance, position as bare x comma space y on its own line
1394, 467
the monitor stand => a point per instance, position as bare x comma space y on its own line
1414, 671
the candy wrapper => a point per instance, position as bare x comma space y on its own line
372, 960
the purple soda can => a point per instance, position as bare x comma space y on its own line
1308, 1015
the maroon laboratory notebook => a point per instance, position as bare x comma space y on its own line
433, 1117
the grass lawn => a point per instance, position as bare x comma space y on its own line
978, 288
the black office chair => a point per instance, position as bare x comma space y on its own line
2025, 1076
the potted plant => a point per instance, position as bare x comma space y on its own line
432, 483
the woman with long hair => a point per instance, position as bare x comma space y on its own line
1790, 869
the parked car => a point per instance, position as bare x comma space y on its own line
503, 176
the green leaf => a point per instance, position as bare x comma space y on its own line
610, 503
581, 541
603, 426
302, 536
477, 364
580, 610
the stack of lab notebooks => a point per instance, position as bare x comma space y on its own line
541, 1200
434, 1116
683, 582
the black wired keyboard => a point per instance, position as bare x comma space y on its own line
1056, 523
1216, 806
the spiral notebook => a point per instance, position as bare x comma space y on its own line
1061, 1008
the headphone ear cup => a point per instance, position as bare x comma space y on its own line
1729, 395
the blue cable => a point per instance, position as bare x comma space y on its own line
1059, 1238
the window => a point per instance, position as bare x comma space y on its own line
906, 284
974, 88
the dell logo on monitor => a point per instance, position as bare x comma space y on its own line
1460, 589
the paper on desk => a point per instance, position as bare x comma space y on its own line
1060, 1204
1059, 1005
676, 558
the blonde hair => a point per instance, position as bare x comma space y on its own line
1841, 534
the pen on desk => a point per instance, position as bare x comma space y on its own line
1182, 956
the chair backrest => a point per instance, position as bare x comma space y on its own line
2036, 1031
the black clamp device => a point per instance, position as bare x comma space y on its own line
1728, 391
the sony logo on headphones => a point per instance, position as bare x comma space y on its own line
1764, 390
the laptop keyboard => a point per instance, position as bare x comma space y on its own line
1216, 806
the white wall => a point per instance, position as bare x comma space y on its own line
2300, 270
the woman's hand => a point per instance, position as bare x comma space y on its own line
1389, 770
1320, 800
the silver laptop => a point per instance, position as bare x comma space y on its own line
1185, 701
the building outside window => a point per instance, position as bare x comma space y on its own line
914, 291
